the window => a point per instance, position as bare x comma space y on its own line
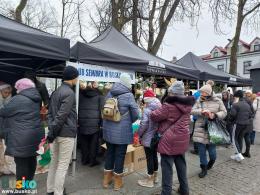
221, 67
257, 47
247, 64
215, 54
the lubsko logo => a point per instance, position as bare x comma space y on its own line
19, 184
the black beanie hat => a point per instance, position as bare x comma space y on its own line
239, 94
70, 73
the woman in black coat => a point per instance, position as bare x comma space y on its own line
90, 105
23, 129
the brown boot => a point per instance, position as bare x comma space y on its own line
148, 182
108, 176
118, 181
156, 178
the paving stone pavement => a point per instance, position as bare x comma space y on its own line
226, 178
231, 178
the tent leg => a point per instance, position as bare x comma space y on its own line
198, 85
56, 84
74, 154
225, 87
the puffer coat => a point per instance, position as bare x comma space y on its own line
147, 126
174, 120
121, 132
22, 124
256, 106
214, 105
90, 105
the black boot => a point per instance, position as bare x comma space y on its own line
194, 152
210, 164
247, 155
203, 172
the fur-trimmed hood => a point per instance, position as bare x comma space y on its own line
186, 100
183, 103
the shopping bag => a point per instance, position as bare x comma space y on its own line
44, 152
218, 133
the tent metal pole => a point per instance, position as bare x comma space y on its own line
74, 154
198, 85
225, 87
56, 84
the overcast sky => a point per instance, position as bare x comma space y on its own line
181, 38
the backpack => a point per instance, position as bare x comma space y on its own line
111, 111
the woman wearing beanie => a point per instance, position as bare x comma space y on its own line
119, 134
146, 133
208, 107
256, 121
7, 164
174, 120
242, 116
23, 128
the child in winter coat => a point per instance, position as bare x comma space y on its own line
146, 133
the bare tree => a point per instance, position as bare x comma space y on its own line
19, 9
242, 11
40, 15
147, 20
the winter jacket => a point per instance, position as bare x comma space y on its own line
147, 126
90, 105
62, 115
22, 124
121, 132
174, 120
3, 102
242, 112
256, 121
214, 105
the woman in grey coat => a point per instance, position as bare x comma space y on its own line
119, 134
23, 128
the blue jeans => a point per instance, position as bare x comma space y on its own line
115, 157
167, 173
252, 137
211, 148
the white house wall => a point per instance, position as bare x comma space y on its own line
254, 58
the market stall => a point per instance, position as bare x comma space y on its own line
207, 72
23, 48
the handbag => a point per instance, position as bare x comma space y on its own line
157, 136
218, 133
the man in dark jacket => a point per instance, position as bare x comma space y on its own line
242, 116
23, 128
62, 124
90, 105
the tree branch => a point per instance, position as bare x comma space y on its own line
19, 9
251, 11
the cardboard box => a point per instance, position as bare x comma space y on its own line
128, 163
139, 158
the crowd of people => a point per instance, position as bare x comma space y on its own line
164, 128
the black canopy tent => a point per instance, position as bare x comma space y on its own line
113, 41
84, 53
23, 48
207, 72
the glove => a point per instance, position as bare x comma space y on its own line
50, 139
